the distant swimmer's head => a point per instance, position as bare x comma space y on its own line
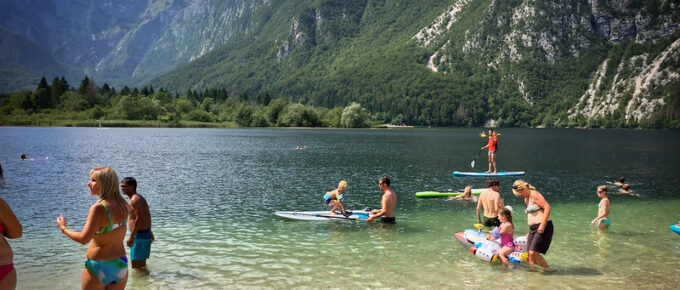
104, 182
342, 186
519, 186
23, 156
626, 187
467, 191
622, 180
2, 177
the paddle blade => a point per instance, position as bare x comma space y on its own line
472, 164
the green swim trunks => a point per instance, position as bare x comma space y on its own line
491, 222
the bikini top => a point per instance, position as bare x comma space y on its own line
532, 207
111, 226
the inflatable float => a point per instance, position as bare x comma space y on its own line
676, 228
475, 241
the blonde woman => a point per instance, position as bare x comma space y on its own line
335, 197
602, 219
540, 225
10, 228
106, 266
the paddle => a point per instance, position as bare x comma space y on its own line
472, 164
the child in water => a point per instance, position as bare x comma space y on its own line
334, 198
602, 220
505, 231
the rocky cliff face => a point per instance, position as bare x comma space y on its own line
126, 41
550, 31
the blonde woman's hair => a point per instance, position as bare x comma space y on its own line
107, 179
342, 184
467, 191
520, 185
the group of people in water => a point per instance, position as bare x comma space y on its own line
388, 203
105, 229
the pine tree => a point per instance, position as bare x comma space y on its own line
43, 84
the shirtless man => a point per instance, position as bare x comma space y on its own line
140, 224
388, 203
490, 199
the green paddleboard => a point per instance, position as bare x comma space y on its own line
445, 193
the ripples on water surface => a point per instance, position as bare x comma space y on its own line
213, 193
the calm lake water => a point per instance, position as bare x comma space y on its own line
213, 193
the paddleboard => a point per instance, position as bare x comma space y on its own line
444, 193
484, 174
324, 215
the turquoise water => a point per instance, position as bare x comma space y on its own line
213, 192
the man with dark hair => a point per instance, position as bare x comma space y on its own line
490, 199
388, 203
493, 142
139, 223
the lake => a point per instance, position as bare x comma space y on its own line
213, 193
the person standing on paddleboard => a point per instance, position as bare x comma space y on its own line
388, 203
493, 140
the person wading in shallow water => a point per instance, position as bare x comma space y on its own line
540, 225
388, 203
10, 228
139, 221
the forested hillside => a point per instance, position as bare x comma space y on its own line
553, 63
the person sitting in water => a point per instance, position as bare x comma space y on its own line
335, 197
504, 232
602, 219
620, 183
625, 189
467, 194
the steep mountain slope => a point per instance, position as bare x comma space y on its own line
428, 62
518, 63
122, 42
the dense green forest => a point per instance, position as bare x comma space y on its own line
57, 104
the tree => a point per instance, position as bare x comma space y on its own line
139, 108
41, 98
244, 116
43, 84
298, 115
59, 86
274, 110
355, 116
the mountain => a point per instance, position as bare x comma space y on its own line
458, 62
121, 42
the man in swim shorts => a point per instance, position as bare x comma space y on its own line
493, 140
139, 223
490, 200
388, 203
